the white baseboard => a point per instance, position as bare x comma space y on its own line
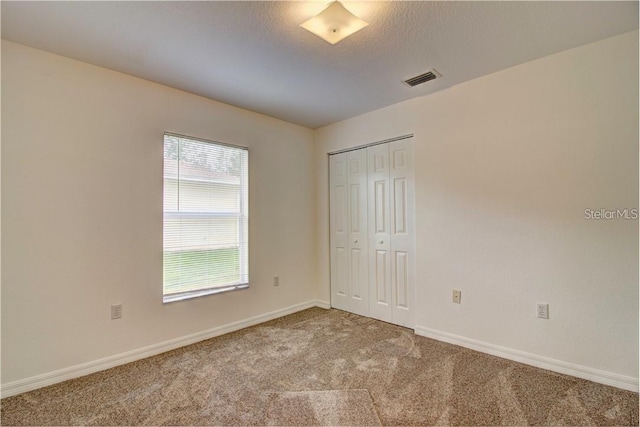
49, 378
584, 372
323, 304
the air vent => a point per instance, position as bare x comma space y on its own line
423, 78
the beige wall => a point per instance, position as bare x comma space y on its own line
82, 212
505, 166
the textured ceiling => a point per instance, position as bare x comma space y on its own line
255, 56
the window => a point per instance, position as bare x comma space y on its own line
206, 213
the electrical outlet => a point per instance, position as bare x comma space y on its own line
543, 311
457, 295
276, 280
116, 311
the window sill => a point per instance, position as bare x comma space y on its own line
201, 293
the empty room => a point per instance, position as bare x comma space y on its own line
319, 213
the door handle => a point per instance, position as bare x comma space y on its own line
355, 240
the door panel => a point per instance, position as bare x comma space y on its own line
380, 205
356, 258
381, 278
338, 222
403, 232
355, 208
339, 200
400, 205
358, 238
340, 277
401, 268
379, 246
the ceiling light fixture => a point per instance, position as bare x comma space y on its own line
334, 23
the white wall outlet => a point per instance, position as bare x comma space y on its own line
276, 280
116, 311
456, 296
543, 311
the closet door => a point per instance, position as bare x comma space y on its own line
348, 236
372, 232
402, 229
357, 232
380, 298
338, 223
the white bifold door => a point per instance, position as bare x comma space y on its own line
372, 232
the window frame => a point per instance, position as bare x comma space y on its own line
242, 214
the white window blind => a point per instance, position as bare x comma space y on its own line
206, 215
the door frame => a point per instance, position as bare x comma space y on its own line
371, 144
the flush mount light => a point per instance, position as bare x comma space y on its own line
334, 23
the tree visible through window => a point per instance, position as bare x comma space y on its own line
205, 246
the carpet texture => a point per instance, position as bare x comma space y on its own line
322, 408
323, 367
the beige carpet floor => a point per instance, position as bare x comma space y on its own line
323, 367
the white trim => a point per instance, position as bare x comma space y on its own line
323, 304
49, 378
567, 368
